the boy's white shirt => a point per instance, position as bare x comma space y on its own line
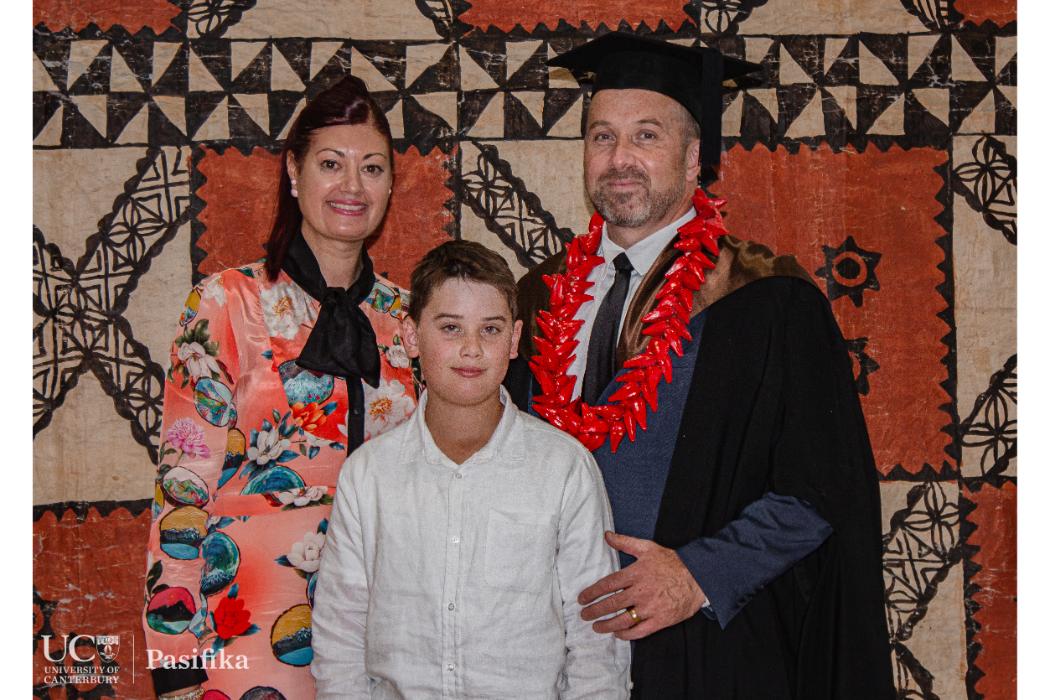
446, 580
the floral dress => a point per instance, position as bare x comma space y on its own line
251, 450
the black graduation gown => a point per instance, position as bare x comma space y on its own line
772, 407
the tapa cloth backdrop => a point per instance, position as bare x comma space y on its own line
877, 144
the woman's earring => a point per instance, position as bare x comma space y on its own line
295, 192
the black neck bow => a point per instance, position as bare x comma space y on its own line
342, 342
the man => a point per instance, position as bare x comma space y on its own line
712, 383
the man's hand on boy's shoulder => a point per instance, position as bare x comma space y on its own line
657, 588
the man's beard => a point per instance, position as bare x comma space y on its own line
633, 209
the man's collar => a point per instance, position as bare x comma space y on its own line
644, 253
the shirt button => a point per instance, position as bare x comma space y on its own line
451, 606
458, 475
455, 540
451, 667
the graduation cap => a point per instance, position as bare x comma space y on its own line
690, 76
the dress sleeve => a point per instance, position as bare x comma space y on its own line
341, 600
596, 665
197, 424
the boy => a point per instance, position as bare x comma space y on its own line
460, 540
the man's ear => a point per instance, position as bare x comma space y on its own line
411, 337
692, 160
515, 337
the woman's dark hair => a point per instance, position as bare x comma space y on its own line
346, 102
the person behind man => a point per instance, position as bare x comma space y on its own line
459, 541
711, 381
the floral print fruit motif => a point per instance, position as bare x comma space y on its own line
250, 455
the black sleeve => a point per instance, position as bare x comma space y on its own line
822, 454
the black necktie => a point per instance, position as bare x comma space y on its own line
601, 352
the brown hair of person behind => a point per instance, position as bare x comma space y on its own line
345, 102
465, 260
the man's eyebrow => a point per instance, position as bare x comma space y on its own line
447, 315
647, 120
495, 318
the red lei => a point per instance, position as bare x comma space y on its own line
666, 327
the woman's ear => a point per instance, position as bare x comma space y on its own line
291, 167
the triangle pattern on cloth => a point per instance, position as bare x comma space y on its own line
257, 107
846, 97
471, 75
811, 121
242, 54
963, 67
490, 123
935, 101
164, 53
733, 115
395, 116
981, 119
1010, 93
757, 48
282, 75
768, 99
42, 81
518, 52
872, 69
321, 53
419, 57
136, 130
533, 102
174, 108
217, 126
569, 124
364, 69
93, 109
121, 77
791, 72
291, 120
81, 55
891, 121
440, 104
919, 48
1005, 50
200, 78
51, 134
833, 48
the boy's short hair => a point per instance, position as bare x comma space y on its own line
465, 260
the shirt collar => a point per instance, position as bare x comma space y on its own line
506, 443
644, 253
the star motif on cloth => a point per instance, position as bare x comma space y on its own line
849, 270
863, 364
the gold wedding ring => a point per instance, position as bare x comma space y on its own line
633, 614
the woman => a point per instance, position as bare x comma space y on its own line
280, 368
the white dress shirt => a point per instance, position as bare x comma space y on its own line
441, 580
642, 256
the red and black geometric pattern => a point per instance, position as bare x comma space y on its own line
864, 153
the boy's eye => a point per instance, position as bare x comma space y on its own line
450, 328
492, 330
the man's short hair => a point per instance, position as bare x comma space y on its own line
465, 260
